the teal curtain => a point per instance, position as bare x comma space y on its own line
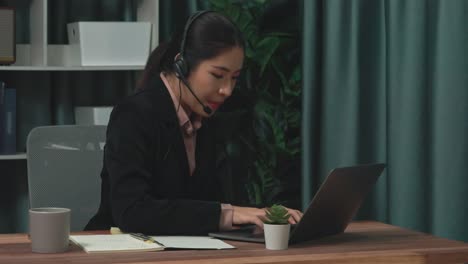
387, 81
174, 13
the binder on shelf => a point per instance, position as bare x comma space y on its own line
2, 108
7, 31
8, 121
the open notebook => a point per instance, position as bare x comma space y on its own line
127, 243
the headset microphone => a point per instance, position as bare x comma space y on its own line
181, 68
205, 108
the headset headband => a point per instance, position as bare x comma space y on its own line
187, 28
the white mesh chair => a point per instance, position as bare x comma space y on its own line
64, 163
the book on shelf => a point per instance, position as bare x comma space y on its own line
7, 120
2, 108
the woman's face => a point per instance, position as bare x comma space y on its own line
213, 81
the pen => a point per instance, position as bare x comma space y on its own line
145, 238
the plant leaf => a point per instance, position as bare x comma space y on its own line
265, 49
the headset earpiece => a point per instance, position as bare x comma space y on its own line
180, 68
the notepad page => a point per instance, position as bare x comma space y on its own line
112, 243
192, 242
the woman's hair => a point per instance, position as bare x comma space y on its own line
208, 36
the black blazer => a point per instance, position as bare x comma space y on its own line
146, 186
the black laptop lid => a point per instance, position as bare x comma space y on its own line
336, 202
332, 209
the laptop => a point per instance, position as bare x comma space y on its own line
333, 207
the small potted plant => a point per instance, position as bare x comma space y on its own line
276, 227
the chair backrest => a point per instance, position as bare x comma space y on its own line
64, 163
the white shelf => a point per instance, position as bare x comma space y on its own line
17, 156
58, 61
39, 55
71, 68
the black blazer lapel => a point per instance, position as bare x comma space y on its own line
171, 131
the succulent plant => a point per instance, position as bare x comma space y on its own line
277, 215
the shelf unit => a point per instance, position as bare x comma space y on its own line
17, 156
35, 62
39, 55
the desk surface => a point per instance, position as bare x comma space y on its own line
363, 242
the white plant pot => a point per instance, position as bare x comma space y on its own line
276, 236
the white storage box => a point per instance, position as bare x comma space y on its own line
92, 115
109, 43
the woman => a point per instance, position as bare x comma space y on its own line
159, 159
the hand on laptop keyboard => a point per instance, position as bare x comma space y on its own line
251, 215
248, 215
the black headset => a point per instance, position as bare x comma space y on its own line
181, 69
180, 65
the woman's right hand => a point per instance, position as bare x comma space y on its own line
248, 215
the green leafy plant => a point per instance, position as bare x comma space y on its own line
277, 215
264, 131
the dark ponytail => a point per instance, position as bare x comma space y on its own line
158, 60
208, 36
